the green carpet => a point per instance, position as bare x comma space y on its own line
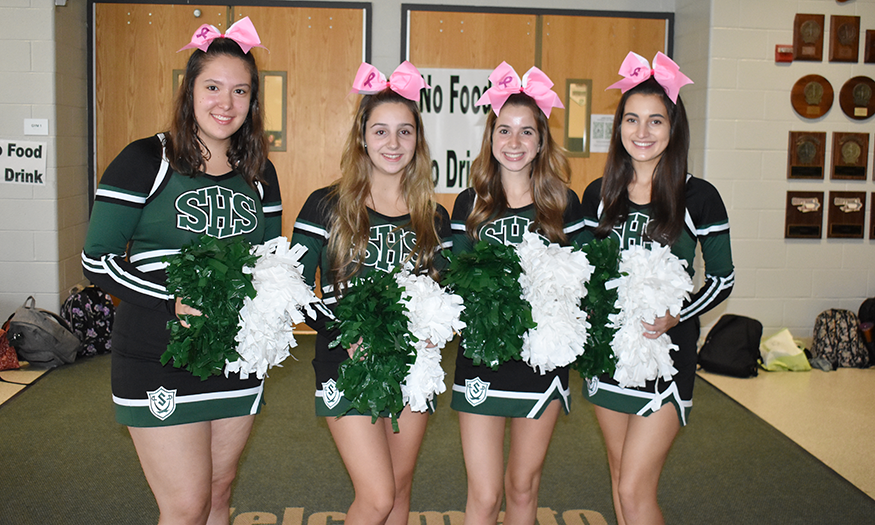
65, 461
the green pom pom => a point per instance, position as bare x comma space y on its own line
598, 357
208, 275
496, 314
371, 310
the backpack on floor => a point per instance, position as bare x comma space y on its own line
42, 338
90, 312
866, 316
732, 346
8, 356
837, 339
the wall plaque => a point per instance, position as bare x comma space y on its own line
869, 49
804, 216
811, 96
844, 38
850, 155
856, 98
805, 155
808, 37
847, 211
872, 217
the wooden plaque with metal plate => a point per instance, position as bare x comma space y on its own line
805, 155
804, 216
811, 96
808, 37
847, 211
850, 155
872, 216
869, 49
844, 38
856, 98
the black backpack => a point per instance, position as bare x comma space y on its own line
90, 313
837, 339
732, 347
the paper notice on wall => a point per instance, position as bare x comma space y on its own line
453, 124
601, 127
23, 162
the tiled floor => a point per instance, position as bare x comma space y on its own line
9, 386
829, 414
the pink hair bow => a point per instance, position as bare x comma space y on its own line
636, 69
505, 82
241, 31
405, 80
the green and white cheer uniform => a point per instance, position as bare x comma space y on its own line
515, 389
144, 211
705, 223
391, 241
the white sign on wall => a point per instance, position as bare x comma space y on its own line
453, 124
601, 129
23, 162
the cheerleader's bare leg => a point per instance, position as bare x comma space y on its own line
370, 456
404, 449
637, 449
529, 440
190, 467
483, 448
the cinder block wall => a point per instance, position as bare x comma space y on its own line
739, 110
42, 227
783, 283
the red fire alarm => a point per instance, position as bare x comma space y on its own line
783, 53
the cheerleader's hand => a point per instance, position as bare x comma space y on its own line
183, 310
660, 325
353, 347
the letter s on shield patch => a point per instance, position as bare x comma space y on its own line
476, 390
162, 402
592, 385
330, 394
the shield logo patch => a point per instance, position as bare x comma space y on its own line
162, 402
330, 394
592, 386
476, 390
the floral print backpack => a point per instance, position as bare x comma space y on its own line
837, 339
90, 312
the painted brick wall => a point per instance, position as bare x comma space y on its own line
739, 110
42, 227
781, 282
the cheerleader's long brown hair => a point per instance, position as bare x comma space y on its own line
247, 152
350, 225
667, 203
550, 177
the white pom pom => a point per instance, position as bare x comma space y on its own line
267, 321
432, 317
653, 282
554, 282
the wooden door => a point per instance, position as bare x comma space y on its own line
563, 46
581, 47
453, 40
318, 49
321, 50
134, 55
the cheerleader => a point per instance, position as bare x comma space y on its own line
380, 214
646, 196
518, 184
154, 198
